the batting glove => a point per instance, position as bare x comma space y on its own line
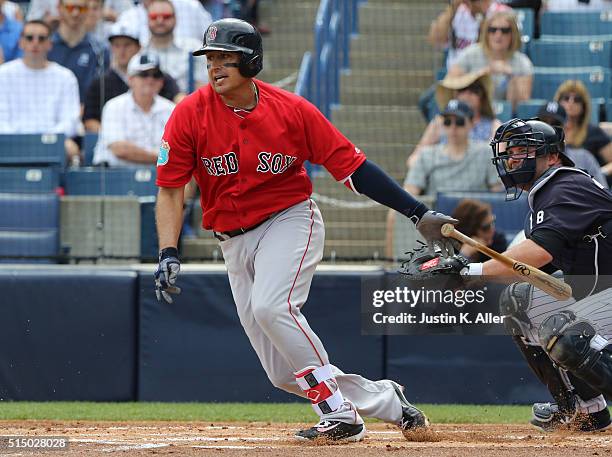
430, 225
166, 274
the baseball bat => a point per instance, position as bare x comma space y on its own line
552, 286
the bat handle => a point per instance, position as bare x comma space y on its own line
447, 230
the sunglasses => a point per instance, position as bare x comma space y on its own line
459, 122
164, 16
570, 97
488, 225
504, 30
39, 38
80, 8
156, 74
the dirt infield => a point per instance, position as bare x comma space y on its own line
202, 439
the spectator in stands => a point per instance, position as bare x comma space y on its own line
74, 48
460, 164
11, 10
95, 24
578, 5
579, 132
458, 26
47, 10
124, 45
554, 114
38, 96
476, 220
133, 123
10, 31
191, 19
174, 53
475, 89
498, 51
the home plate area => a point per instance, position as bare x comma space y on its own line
197, 438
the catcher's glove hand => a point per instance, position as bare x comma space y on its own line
426, 264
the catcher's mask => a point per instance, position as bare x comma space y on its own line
516, 146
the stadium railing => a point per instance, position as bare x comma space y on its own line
319, 75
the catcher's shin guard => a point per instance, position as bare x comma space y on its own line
575, 346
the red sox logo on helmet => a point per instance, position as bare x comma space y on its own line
212, 33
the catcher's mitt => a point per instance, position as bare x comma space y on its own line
425, 264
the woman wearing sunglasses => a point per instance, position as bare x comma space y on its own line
574, 97
475, 89
498, 52
476, 220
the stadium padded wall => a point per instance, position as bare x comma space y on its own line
85, 333
67, 334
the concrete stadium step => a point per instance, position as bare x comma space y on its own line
371, 77
379, 95
288, 41
353, 249
373, 231
410, 59
379, 114
397, 18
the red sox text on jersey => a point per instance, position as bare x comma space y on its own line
248, 168
227, 164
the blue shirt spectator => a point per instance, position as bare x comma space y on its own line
86, 60
74, 48
10, 31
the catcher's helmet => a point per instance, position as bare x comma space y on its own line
235, 35
538, 138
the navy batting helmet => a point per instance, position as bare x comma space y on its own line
537, 138
235, 35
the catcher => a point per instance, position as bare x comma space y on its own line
567, 344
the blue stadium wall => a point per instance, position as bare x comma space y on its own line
78, 333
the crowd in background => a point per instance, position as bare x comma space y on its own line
110, 67
117, 68
484, 64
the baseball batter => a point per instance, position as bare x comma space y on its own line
245, 142
567, 344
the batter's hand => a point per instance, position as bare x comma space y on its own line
166, 274
429, 226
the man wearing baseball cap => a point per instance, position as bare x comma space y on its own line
458, 165
124, 45
554, 114
133, 123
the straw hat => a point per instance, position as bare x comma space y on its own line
446, 90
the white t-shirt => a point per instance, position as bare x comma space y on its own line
38, 101
191, 20
174, 60
466, 27
9, 9
124, 120
575, 5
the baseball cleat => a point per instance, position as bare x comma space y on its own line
548, 418
412, 417
333, 431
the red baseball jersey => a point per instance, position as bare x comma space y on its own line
248, 168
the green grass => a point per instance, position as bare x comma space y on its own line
228, 412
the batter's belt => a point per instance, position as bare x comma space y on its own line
224, 236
